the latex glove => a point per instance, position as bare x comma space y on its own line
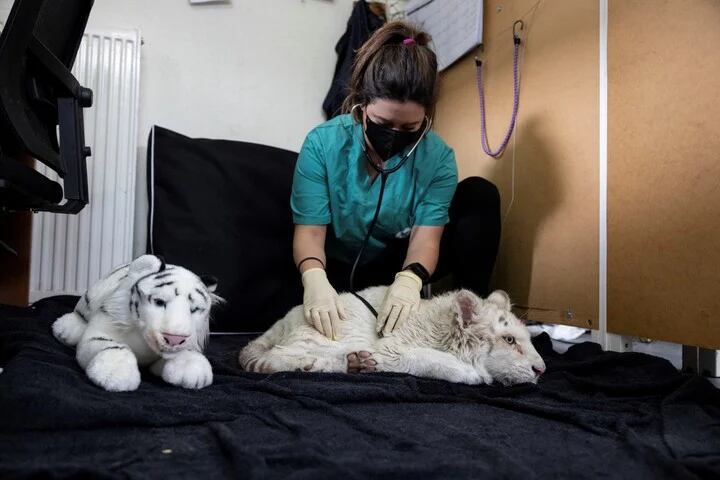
321, 304
401, 299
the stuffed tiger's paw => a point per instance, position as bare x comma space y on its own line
69, 329
114, 370
188, 370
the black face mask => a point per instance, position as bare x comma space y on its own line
388, 142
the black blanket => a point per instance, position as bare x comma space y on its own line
593, 414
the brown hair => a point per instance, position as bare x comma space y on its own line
387, 68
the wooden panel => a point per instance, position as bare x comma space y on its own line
664, 170
549, 251
16, 232
15, 229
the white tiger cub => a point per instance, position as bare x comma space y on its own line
457, 337
143, 313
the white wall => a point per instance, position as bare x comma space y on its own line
253, 70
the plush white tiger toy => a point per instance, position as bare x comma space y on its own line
457, 337
143, 313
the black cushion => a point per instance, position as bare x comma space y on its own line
222, 207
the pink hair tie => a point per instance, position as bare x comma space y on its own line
408, 41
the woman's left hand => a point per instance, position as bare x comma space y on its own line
401, 299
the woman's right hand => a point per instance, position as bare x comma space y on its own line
321, 304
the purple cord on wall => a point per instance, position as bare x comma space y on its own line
516, 102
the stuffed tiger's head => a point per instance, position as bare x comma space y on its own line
171, 305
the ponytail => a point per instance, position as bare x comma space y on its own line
395, 63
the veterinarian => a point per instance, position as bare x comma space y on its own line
428, 225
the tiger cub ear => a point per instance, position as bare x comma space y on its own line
501, 299
210, 282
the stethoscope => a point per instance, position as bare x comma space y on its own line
384, 173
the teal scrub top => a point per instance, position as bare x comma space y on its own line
331, 186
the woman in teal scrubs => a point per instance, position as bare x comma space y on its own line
391, 101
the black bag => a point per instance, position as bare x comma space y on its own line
222, 207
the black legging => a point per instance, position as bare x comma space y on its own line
468, 247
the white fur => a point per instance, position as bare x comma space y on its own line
125, 319
456, 337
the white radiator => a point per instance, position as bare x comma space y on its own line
70, 252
